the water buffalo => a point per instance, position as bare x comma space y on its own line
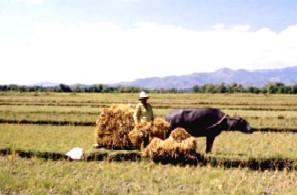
205, 122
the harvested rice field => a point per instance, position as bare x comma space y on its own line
38, 129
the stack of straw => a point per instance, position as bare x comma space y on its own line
115, 128
114, 125
159, 128
179, 147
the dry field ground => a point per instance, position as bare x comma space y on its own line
37, 129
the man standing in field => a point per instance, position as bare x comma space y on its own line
144, 115
143, 111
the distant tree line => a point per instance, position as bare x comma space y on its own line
270, 88
100, 88
71, 89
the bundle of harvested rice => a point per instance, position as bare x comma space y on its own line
152, 147
159, 128
140, 131
148, 130
114, 125
179, 134
180, 147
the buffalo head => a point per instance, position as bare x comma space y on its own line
239, 124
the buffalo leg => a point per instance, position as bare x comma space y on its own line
209, 143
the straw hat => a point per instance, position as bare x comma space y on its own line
143, 95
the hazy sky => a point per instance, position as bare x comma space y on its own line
107, 41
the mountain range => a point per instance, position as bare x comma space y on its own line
257, 78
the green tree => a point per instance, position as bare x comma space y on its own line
3, 88
210, 88
196, 89
77, 89
236, 88
221, 88
64, 88
252, 89
273, 88
294, 89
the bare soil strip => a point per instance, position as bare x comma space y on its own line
257, 164
47, 122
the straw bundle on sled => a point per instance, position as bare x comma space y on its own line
180, 146
113, 126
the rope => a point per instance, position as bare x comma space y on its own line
217, 123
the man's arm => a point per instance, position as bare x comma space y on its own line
151, 113
136, 114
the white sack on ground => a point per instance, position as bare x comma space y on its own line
75, 153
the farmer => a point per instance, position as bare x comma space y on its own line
143, 111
